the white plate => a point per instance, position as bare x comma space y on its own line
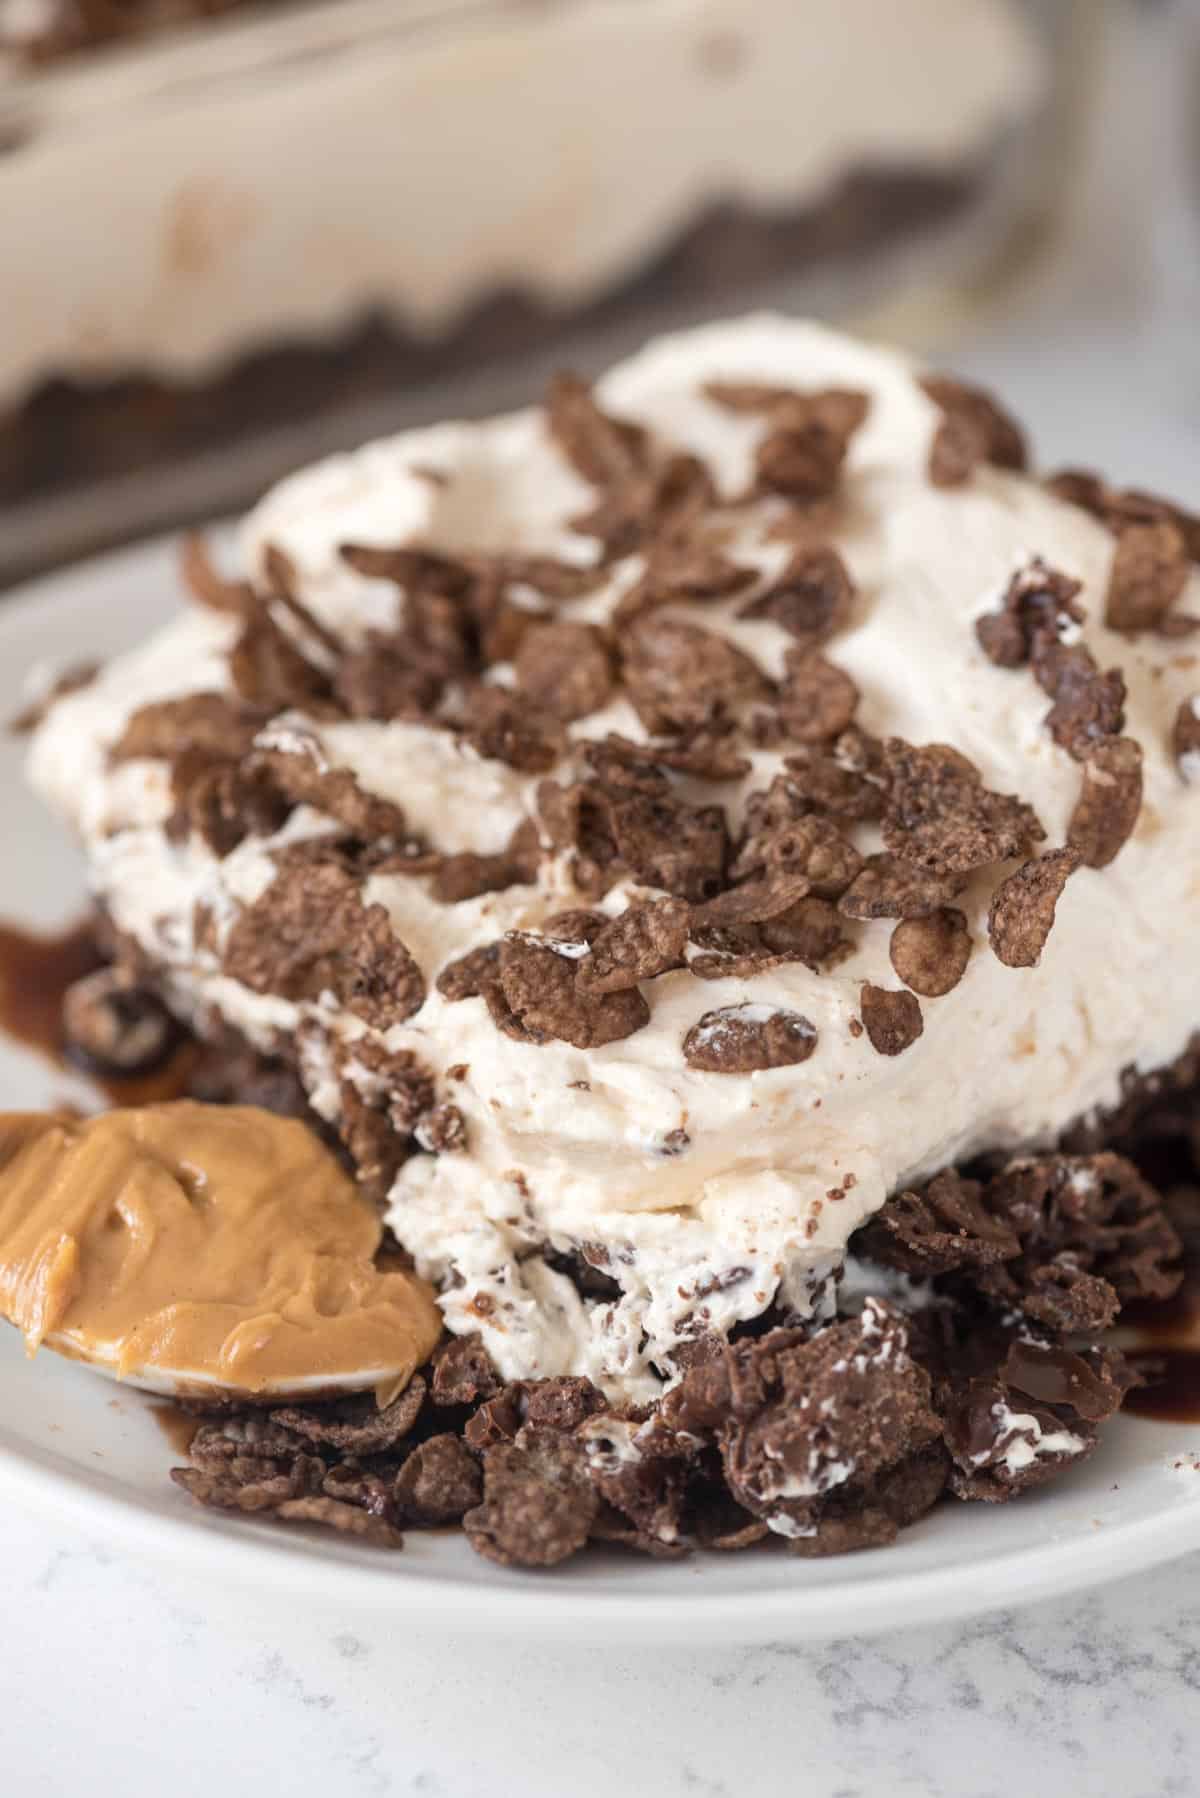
71, 1442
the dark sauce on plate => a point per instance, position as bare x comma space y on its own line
177, 1425
36, 973
1168, 1352
1172, 1390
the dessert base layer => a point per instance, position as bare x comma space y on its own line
71, 433
926, 1387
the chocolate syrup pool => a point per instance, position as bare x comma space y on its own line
1169, 1359
36, 973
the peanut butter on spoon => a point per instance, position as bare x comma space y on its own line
191, 1247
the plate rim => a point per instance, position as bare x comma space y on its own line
251, 1554
248, 1553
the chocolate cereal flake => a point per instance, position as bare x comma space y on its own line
349, 1520
1118, 509
470, 975
709, 755
268, 668
980, 417
811, 599
1021, 915
310, 933
943, 1227
468, 874
1088, 705
800, 460
834, 779
1108, 806
463, 1373
505, 727
641, 495
439, 1482
566, 669
538, 979
817, 700
377, 1118
1039, 604
1080, 1215
679, 848
681, 677
741, 1039
812, 846
939, 814
809, 931
538, 1503
888, 887
636, 826
930, 954
602, 449
1149, 573
645, 940
251, 1487
681, 569
212, 722
207, 585
355, 1425
665, 499
290, 755
379, 681
799, 1418
843, 409
959, 445
770, 895
732, 953
892, 1020
807, 436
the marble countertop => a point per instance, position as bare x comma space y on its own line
112, 1672
117, 1675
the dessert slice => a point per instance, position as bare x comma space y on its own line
665, 831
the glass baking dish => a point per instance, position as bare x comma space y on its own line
235, 242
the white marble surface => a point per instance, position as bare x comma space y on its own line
116, 1676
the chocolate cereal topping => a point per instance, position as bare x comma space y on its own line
1023, 907
312, 935
974, 428
930, 953
1156, 541
740, 1039
939, 814
1109, 803
1149, 572
801, 452
892, 1020
487, 650
811, 599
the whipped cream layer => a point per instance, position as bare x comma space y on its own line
705, 1195
280, 176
